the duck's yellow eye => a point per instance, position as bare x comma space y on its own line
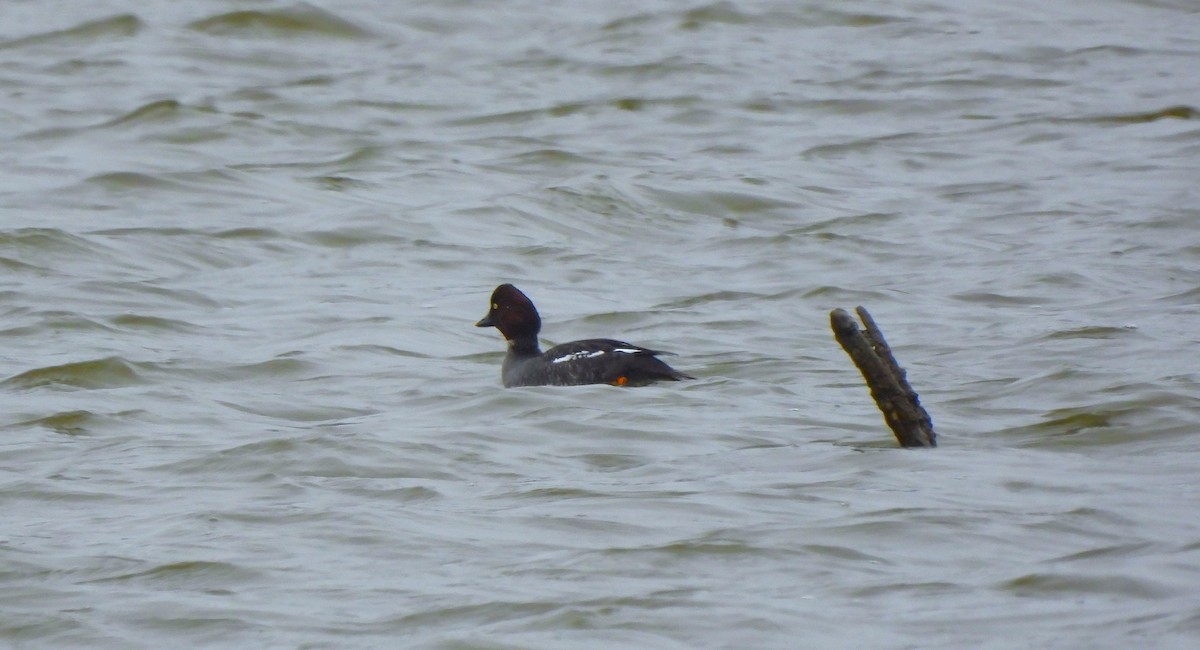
495, 306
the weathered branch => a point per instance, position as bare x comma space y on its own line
889, 386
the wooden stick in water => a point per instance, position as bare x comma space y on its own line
889, 386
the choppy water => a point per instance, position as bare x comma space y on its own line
244, 244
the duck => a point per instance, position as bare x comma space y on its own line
578, 363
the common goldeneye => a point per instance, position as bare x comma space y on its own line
591, 361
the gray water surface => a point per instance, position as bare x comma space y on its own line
243, 245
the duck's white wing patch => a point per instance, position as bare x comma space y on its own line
627, 350
582, 354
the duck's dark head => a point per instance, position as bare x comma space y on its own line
513, 313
